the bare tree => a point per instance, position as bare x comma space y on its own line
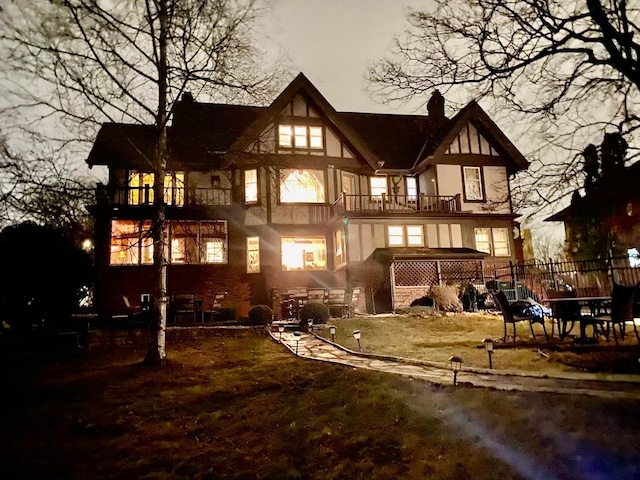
90, 61
567, 69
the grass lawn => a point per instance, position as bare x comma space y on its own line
436, 338
243, 407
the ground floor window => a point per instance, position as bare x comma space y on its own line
187, 242
405, 235
304, 253
253, 254
494, 241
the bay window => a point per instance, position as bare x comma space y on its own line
302, 186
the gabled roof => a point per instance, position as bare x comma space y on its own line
438, 143
202, 133
302, 85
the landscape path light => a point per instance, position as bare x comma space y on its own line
488, 345
456, 365
297, 337
356, 335
332, 331
280, 329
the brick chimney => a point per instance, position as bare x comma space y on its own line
435, 107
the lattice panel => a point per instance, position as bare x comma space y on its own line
460, 271
417, 273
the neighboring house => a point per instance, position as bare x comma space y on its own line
297, 194
606, 219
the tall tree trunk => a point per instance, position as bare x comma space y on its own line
156, 353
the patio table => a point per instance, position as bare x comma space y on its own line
597, 306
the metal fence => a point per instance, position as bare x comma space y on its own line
540, 279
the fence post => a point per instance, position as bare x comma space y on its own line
553, 275
513, 279
610, 267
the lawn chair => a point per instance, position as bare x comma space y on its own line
511, 316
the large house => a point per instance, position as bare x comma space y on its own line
296, 194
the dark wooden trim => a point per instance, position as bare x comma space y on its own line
472, 160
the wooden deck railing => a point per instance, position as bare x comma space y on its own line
178, 197
371, 204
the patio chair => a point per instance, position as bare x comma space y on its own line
216, 305
337, 301
622, 302
317, 295
511, 316
182, 305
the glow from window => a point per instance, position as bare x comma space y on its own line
215, 250
300, 136
378, 186
251, 186
415, 235
253, 254
303, 253
501, 242
472, 183
315, 137
412, 187
178, 250
483, 240
302, 186
395, 235
285, 136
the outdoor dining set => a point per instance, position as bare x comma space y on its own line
341, 301
597, 317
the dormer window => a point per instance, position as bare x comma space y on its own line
300, 137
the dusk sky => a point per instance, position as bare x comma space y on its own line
333, 41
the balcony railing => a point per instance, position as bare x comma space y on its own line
173, 196
402, 204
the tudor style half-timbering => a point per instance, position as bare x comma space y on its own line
297, 194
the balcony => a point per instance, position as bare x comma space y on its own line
396, 204
176, 197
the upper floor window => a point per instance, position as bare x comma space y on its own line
378, 186
301, 186
141, 184
494, 241
473, 190
301, 137
412, 188
251, 186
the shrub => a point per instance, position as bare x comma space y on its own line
316, 311
260, 315
446, 298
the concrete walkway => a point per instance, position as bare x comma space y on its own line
313, 347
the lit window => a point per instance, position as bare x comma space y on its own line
412, 188
395, 235
378, 186
301, 137
253, 254
251, 186
178, 250
500, 242
174, 189
304, 253
140, 188
415, 235
301, 186
125, 240
494, 241
338, 243
483, 240
315, 137
146, 245
472, 183
215, 251
285, 136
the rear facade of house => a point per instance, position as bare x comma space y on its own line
296, 194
